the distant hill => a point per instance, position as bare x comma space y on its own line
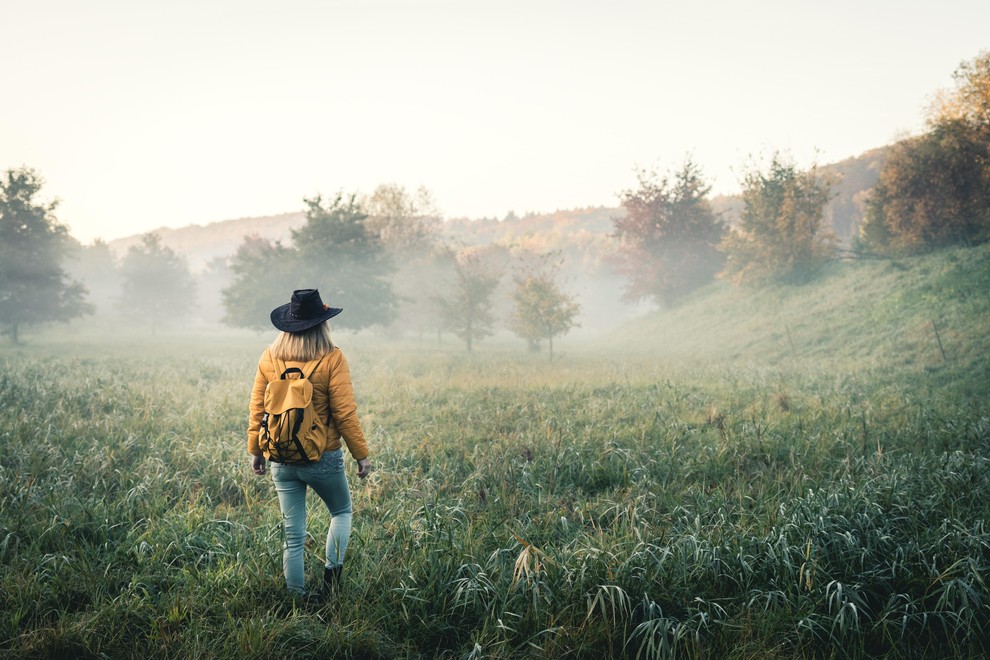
201, 243
583, 230
854, 177
585, 233
595, 220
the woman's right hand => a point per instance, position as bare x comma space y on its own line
364, 467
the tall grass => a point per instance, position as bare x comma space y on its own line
599, 506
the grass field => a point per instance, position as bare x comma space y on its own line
793, 472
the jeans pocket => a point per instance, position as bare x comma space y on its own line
330, 462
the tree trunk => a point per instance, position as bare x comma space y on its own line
550, 339
14, 335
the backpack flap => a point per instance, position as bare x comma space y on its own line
290, 431
282, 395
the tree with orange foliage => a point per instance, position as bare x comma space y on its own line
934, 189
668, 235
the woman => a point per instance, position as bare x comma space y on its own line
305, 338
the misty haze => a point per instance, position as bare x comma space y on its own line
683, 418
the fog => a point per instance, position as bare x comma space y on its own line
199, 309
176, 285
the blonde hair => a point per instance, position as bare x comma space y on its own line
303, 346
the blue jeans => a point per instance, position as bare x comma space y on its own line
327, 478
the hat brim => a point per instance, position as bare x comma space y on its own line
282, 320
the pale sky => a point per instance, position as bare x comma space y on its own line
143, 114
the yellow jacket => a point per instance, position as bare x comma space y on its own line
333, 401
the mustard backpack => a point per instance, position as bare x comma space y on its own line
291, 432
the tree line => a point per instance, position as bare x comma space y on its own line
382, 258
933, 191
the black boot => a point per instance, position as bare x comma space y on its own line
331, 579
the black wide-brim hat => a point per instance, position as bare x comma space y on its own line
305, 310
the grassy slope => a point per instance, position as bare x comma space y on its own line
695, 486
873, 316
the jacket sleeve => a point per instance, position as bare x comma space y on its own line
343, 407
257, 407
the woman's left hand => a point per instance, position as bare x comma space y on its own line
364, 468
258, 464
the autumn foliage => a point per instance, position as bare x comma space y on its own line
668, 236
934, 189
782, 233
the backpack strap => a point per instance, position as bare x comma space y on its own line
295, 438
316, 364
295, 430
281, 370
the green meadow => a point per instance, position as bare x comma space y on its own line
788, 472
